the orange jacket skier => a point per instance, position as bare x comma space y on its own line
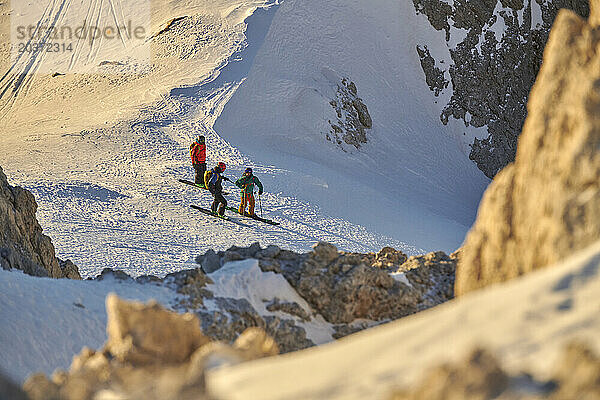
198, 156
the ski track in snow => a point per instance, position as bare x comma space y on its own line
119, 203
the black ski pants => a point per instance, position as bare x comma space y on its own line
200, 170
219, 202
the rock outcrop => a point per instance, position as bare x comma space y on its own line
22, 244
343, 287
225, 319
546, 205
151, 353
348, 291
492, 68
353, 118
481, 377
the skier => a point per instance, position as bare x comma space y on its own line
198, 155
213, 182
246, 183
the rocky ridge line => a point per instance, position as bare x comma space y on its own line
350, 291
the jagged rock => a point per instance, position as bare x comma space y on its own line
151, 354
343, 287
142, 334
246, 252
546, 205
288, 336
113, 273
342, 297
288, 308
270, 265
22, 244
325, 252
210, 261
270, 252
340, 286
434, 76
232, 318
232, 256
432, 276
68, 269
191, 284
148, 279
353, 118
494, 66
389, 258
237, 315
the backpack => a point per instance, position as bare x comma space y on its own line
211, 178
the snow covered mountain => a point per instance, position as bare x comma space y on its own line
102, 148
320, 68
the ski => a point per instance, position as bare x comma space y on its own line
197, 185
223, 217
256, 218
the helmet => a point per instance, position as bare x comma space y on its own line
200, 139
248, 171
222, 166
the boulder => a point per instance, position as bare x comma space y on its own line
388, 258
210, 261
235, 316
142, 334
325, 252
546, 205
151, 353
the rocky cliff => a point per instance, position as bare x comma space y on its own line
496, 51
22, 244
546, 205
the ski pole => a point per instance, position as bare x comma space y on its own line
260, 203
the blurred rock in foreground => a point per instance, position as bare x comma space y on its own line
151, 353
546, 205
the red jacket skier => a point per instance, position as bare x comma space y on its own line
198, 155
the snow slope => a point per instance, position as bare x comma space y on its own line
106, 181
412, 175
526, 322
45, 322
102, 151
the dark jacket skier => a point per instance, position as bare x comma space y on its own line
198, 156
213, 182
